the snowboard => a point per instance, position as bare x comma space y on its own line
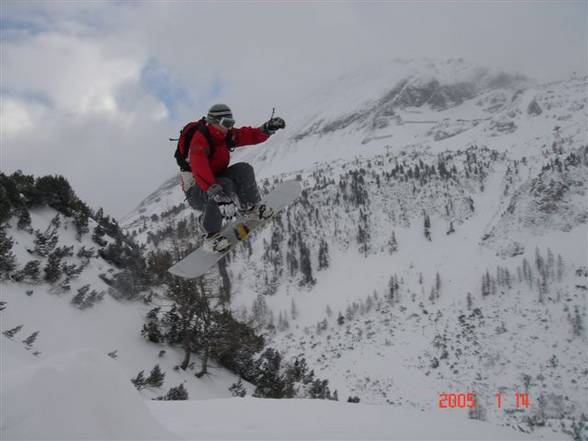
201, 260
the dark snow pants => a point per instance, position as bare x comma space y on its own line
238, 179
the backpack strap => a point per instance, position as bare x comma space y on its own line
186, 135
230, 141
202, 127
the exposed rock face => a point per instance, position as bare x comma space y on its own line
502, 127
438, 96
439, 86
416, 94
511, 249
446, 129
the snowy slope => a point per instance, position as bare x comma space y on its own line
110, 326
77, 395
85, 395
254, 419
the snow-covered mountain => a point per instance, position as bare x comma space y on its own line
439, 245
428, 105
435, 269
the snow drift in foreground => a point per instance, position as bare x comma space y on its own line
79, 395
256, 419
86, 395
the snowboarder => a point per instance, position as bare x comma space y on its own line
210, 185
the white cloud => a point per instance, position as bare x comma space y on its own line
15, 117
77, 76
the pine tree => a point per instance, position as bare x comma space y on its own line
5, 205
24, 219
7, 258
80, 221
477, 412
260, 310
55, 223
12, 332
80, 298
392, 244
270, 382
86, 254
550, 270
323, 256
99, 216
98, 235
175, 394
238, 389
151, 332
306, 266
320, 390
225, 287
427, 224
291, 259
32, 270
451, 229
283, 324
293, 310
139, 381
363, 233
155, 378
28, 342
469, 301
539, 262
45, 242
526, 269
560, 268
486, 285
189, 322
542, 286
393, 289
577, 322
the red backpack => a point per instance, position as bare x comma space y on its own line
186, 135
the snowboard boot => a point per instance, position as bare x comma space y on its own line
216, 242
212, 241
261, 211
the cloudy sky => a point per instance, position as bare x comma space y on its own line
93, 90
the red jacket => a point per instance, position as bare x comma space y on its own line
204, 169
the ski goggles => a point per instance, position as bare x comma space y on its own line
226, 122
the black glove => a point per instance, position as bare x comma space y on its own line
226, 205
270, 127
228, 211
218, 195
